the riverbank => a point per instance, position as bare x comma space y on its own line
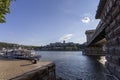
23, 69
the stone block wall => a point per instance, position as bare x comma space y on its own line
45, 73
111, 17
94, 51
89, 34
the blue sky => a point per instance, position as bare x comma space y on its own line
40, 22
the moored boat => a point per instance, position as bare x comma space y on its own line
20, 54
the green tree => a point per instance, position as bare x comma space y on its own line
4, 9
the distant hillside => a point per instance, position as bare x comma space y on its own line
12, 45
6, 45
58, 46
51, 47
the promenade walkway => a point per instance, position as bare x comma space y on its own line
12, 68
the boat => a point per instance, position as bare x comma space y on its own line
20, 54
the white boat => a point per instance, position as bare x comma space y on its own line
1, 54
21, 54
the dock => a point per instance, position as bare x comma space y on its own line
11, 69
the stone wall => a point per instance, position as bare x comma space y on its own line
109, 14
45, 73
89, 34
111, 17
94, 51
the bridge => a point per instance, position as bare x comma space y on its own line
105, 39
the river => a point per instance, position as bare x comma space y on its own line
72, 65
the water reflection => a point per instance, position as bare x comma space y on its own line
74, 65
102, 60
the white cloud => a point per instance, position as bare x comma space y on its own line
66, 37
85, 20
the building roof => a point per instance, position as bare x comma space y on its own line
100, 8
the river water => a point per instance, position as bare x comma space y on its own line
75, 66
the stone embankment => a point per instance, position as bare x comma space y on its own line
25, 70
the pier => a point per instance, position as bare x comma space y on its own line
25, 70
105, 39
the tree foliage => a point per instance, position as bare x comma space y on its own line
12, 46
4, 9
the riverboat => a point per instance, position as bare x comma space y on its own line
20, 54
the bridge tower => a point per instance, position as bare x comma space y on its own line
94, 49
109, 29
